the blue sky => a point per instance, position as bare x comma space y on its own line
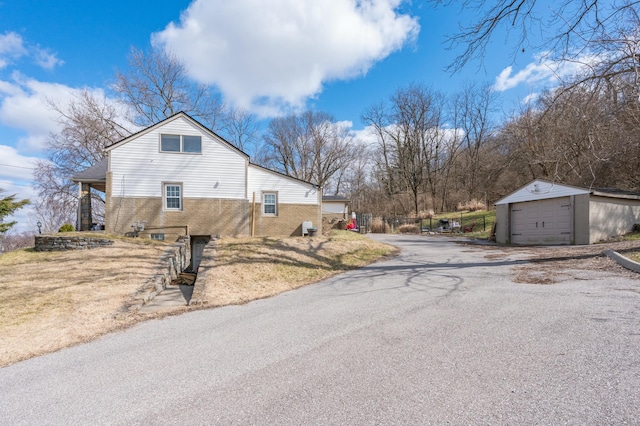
267, 57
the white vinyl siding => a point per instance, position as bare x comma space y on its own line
334, 207
290, 191
138, 167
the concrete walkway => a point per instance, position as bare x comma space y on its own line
173, 296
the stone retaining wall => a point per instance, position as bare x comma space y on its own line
206, 268
175, 260
64, 242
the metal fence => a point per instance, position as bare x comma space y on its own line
392, 224
366, 223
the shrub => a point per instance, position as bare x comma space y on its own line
426, 214
67, 227
378, 226
472, 206
409, 229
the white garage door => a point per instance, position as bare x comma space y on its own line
542, 222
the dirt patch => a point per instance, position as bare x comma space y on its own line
550, 265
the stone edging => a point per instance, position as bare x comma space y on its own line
623, 261
174, 260
205, 268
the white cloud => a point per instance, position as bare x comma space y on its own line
14, 165
542, 72
269, 56
24, 106
45, 59
11, 47
530, 98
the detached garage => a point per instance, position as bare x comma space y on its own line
552, 214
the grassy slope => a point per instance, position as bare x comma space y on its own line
50, 300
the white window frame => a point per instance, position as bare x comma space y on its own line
274, 204
165, 196
181, 150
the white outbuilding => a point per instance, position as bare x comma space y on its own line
548, 213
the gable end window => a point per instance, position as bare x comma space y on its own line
172, 196
270, 203
181, 143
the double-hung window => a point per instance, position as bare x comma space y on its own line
172, 196
181, 143
269, 203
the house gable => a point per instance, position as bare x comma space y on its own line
541, 190
139, 167
168, 120
290, 189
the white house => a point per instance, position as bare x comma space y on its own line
178, 177
543, 212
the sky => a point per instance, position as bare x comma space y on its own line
269, 57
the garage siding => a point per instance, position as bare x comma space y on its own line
610, 217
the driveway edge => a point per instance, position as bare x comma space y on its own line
623, 261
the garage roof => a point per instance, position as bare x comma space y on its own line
541, 190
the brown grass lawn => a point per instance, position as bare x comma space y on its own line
252, 268
49, 301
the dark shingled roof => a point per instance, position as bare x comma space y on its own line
335, 198
95, 173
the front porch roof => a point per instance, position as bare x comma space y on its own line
95, 175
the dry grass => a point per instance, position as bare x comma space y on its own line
50, 300
408, 229
378, 226
253, 268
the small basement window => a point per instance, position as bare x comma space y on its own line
181, 143
159, 237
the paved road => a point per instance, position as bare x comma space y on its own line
438, 335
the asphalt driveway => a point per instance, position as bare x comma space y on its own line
441, 334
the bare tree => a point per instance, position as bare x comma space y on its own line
413, 148
156, 86
471, 116
354, 180
16, 240
576, 26
240, 127
88, 124
310, 146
